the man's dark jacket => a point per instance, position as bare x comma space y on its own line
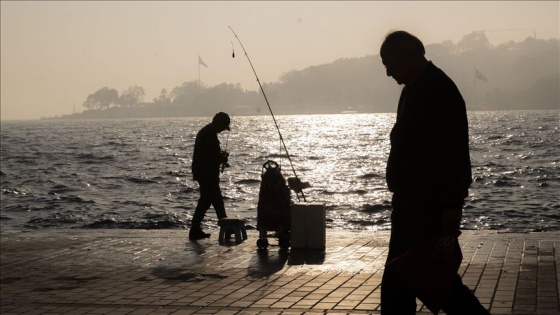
207, 155
429, 154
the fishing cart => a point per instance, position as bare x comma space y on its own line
273, 210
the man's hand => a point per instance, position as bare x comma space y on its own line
451, 219
224, 155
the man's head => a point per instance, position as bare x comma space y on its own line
403, 56
221, 121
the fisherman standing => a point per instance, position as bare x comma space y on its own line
206, 163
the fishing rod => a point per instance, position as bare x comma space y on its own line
269, 108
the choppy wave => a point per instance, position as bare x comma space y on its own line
128, 174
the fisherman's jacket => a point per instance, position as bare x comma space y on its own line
207, 155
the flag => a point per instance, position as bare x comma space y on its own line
479, 75
200, 62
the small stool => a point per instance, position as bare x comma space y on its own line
230, 226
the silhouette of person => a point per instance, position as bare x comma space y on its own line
428, 169
207, 159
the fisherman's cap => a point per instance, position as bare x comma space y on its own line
222, 118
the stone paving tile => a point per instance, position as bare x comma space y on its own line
160, 272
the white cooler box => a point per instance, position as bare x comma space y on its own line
308, 226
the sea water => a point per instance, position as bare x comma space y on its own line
135, 173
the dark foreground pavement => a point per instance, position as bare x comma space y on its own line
160, 272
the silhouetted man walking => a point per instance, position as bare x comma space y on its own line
428, 170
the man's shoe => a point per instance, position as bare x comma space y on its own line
198, 235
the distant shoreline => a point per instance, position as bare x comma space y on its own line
80, 116
106, 114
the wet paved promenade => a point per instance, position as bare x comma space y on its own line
161, 272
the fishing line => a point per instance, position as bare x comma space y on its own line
269, 108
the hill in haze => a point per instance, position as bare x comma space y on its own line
511, 76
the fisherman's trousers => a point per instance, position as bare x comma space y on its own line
210, 195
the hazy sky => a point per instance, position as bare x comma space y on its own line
55, 53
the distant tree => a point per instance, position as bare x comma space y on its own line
474, 41
163, 98
102, 99
132, 96
442, 50
186, 94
